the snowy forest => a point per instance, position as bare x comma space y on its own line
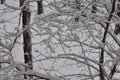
59, 39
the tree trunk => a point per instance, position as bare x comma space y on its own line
2, 1
27, 47
40, 6
101, 60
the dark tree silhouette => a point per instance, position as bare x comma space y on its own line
40, 6
101, 59
26, 14
2, 1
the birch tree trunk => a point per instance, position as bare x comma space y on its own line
27, 47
